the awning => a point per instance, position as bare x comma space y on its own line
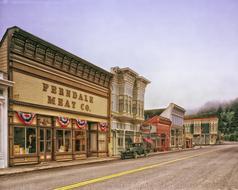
148, 140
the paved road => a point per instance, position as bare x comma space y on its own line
208, 168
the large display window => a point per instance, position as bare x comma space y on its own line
63, 140
24, 140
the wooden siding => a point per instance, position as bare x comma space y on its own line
3, 56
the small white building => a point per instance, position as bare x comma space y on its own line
4, 84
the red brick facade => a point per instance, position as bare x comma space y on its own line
161, 135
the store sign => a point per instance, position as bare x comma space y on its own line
146, 128
37, 91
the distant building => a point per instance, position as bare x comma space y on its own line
128, 89
174, 113
156, 131
204, 129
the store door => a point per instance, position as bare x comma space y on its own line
45, 144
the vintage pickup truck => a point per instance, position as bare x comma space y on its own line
134, 150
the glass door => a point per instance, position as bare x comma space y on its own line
45, 144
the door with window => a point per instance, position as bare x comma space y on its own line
45, 144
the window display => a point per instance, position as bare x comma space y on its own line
24, 140
63, 140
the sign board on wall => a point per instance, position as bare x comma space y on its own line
41, 92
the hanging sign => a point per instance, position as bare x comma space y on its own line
103, 126
81, 124
63, 121
26, 118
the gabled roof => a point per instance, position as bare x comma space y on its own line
154, 111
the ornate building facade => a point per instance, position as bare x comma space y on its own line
202, 129
59, 106
127, 102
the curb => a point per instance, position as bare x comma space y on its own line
42, 168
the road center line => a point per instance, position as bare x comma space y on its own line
91, 181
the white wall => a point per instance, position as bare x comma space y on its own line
3, 129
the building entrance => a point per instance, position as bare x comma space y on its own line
45, 144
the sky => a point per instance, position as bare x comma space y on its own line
188, 49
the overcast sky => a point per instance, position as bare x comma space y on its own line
188, 49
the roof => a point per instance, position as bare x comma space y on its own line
129, 70
21, 34
157, 119
177, 106
153, 112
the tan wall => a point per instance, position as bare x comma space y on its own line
3, 56
41, 92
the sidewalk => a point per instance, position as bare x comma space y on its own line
54, 164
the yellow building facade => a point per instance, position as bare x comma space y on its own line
203, 130
59, 105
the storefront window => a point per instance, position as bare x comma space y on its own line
63, 140
24, 140
79, 141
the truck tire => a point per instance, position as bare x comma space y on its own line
135, 155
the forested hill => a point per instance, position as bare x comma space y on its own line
228, 116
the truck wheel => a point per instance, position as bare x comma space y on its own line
135, 155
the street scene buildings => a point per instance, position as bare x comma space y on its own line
56, 106
118, 95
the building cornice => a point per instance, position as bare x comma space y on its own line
33, 47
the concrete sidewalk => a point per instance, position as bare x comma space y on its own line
54, 164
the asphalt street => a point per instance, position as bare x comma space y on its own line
213, 167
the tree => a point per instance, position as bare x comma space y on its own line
226, 118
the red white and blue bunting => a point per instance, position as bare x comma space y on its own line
103, 126
63, 121
81, 124
26, 118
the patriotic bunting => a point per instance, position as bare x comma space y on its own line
103, 126
81, 124
26, 118
63, 121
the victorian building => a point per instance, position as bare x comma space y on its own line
59, 106
203, 129
156, 132
175, 114
128, 89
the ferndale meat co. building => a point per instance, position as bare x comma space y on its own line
59, 105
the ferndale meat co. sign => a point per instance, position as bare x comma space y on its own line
46, 93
